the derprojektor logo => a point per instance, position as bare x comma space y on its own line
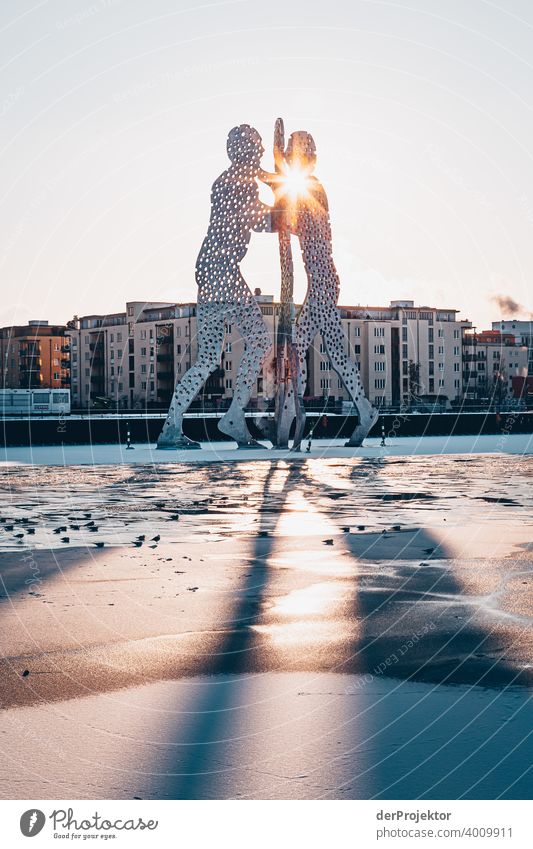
32, 822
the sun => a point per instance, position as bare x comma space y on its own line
295, 182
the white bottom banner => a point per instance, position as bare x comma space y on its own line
267, 824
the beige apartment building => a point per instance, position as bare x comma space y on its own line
132, 359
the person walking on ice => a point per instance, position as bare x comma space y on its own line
223, 294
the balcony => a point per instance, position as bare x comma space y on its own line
65, 349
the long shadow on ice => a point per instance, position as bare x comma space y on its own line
202, 759
451, 720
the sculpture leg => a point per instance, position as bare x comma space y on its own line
210, 339
257, 346
306, 330
348, 372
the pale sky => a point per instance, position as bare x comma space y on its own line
113, 124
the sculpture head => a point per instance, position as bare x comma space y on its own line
245, 146
301, 151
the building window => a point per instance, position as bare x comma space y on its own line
379, 331
143, 368
229, 383
380, 366
143, 334
456, 334
379, 349
228, 348
456, 351
456, 366
119, 337
379, 383
143, 384
143, 352
228, 365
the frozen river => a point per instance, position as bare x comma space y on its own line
325, 627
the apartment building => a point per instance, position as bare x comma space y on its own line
523, 331
132, 359
492, 363
406, 353
34, 356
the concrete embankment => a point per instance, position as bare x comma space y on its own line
98, 429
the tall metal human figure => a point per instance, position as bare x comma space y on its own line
307, 216
223, 294
286, 365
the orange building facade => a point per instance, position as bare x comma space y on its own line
35, 356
